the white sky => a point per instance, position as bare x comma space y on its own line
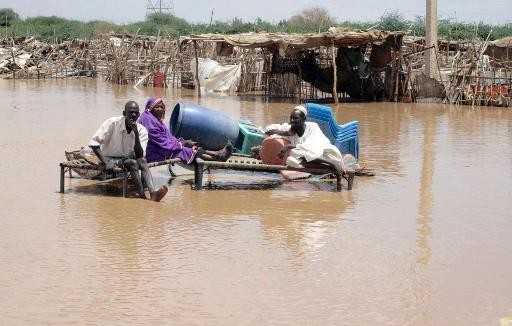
122, 11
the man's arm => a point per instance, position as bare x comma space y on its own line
99, 154
137, 148
103, 133
278, 132
278, 129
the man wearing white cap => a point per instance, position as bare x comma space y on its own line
307, 141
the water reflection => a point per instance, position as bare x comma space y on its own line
286, 215
424, 219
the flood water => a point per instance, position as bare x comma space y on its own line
425, 242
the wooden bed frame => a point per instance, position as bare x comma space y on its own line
245, 163
116, 173
235, 162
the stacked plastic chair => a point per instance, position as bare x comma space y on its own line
345, 136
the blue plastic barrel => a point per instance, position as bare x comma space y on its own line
211, 129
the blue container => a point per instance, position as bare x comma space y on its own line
211, 129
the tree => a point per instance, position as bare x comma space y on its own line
311, 19
8, 16
393, 21
167, 19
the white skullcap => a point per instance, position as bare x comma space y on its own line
302, 109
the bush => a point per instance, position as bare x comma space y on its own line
7, 17
309, 20
393, 21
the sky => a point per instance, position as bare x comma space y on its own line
124, 11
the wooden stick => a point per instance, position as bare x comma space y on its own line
198, 85
335, 77
13, 60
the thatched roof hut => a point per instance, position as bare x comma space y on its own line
500, 49
337, 61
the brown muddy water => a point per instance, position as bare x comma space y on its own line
425, 242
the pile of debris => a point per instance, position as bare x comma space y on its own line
362, 65
468, 72
136, 59
28, 58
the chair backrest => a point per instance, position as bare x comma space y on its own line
322, 115
345, 136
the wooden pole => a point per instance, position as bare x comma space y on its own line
334, 75
398, 63
198, 85
431, 37
13, 60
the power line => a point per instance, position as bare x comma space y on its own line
160, 7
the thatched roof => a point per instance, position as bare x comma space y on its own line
336, 37
500, 49
505, 42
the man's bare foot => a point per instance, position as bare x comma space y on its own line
159, 194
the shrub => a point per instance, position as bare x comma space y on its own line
7, 17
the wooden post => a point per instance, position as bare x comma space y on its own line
350, 181
13, 60
62, 172
398, 63
335, 76
431, 38
198, 85
198, 176
338, 181
168, 64
125, 183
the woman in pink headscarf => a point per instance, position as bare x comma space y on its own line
163, 145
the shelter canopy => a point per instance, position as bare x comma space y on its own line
335, 36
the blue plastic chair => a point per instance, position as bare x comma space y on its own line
344, 136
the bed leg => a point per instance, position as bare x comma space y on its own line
198, 176
350, 181
338, 182
125, 183
62, 173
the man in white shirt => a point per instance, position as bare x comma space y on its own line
121, 141
307, 142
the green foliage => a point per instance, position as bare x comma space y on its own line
8, 16
166, 19
309, 20
50, 28
393, 21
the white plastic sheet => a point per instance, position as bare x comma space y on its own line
215, 77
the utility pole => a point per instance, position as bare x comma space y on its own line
431, 38
159, 7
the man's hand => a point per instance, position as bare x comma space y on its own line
285, 151
107, 166
133, 126
110, 165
